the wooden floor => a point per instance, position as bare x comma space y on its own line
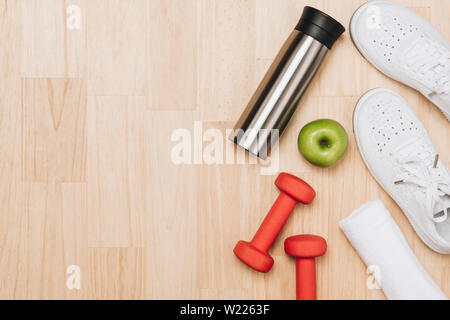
87, 114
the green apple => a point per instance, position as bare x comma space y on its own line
323, 142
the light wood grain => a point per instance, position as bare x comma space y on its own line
49, 48
54, 129
116, 163
116, 45
86, 123
172, 50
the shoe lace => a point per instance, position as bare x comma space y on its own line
430, 180
430, 62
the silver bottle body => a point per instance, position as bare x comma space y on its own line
279, 93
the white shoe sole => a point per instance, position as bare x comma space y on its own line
353, 22
420, 232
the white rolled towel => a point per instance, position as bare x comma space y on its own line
381, 245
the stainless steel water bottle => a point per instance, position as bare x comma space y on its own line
276, 98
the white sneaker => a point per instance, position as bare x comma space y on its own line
405, 47
398, 152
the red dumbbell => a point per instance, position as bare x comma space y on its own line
305, 248
255, 253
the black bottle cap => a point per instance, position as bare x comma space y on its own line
320, 26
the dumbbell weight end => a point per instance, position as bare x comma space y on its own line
255, 253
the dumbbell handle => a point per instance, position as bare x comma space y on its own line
274, 222
306, 278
